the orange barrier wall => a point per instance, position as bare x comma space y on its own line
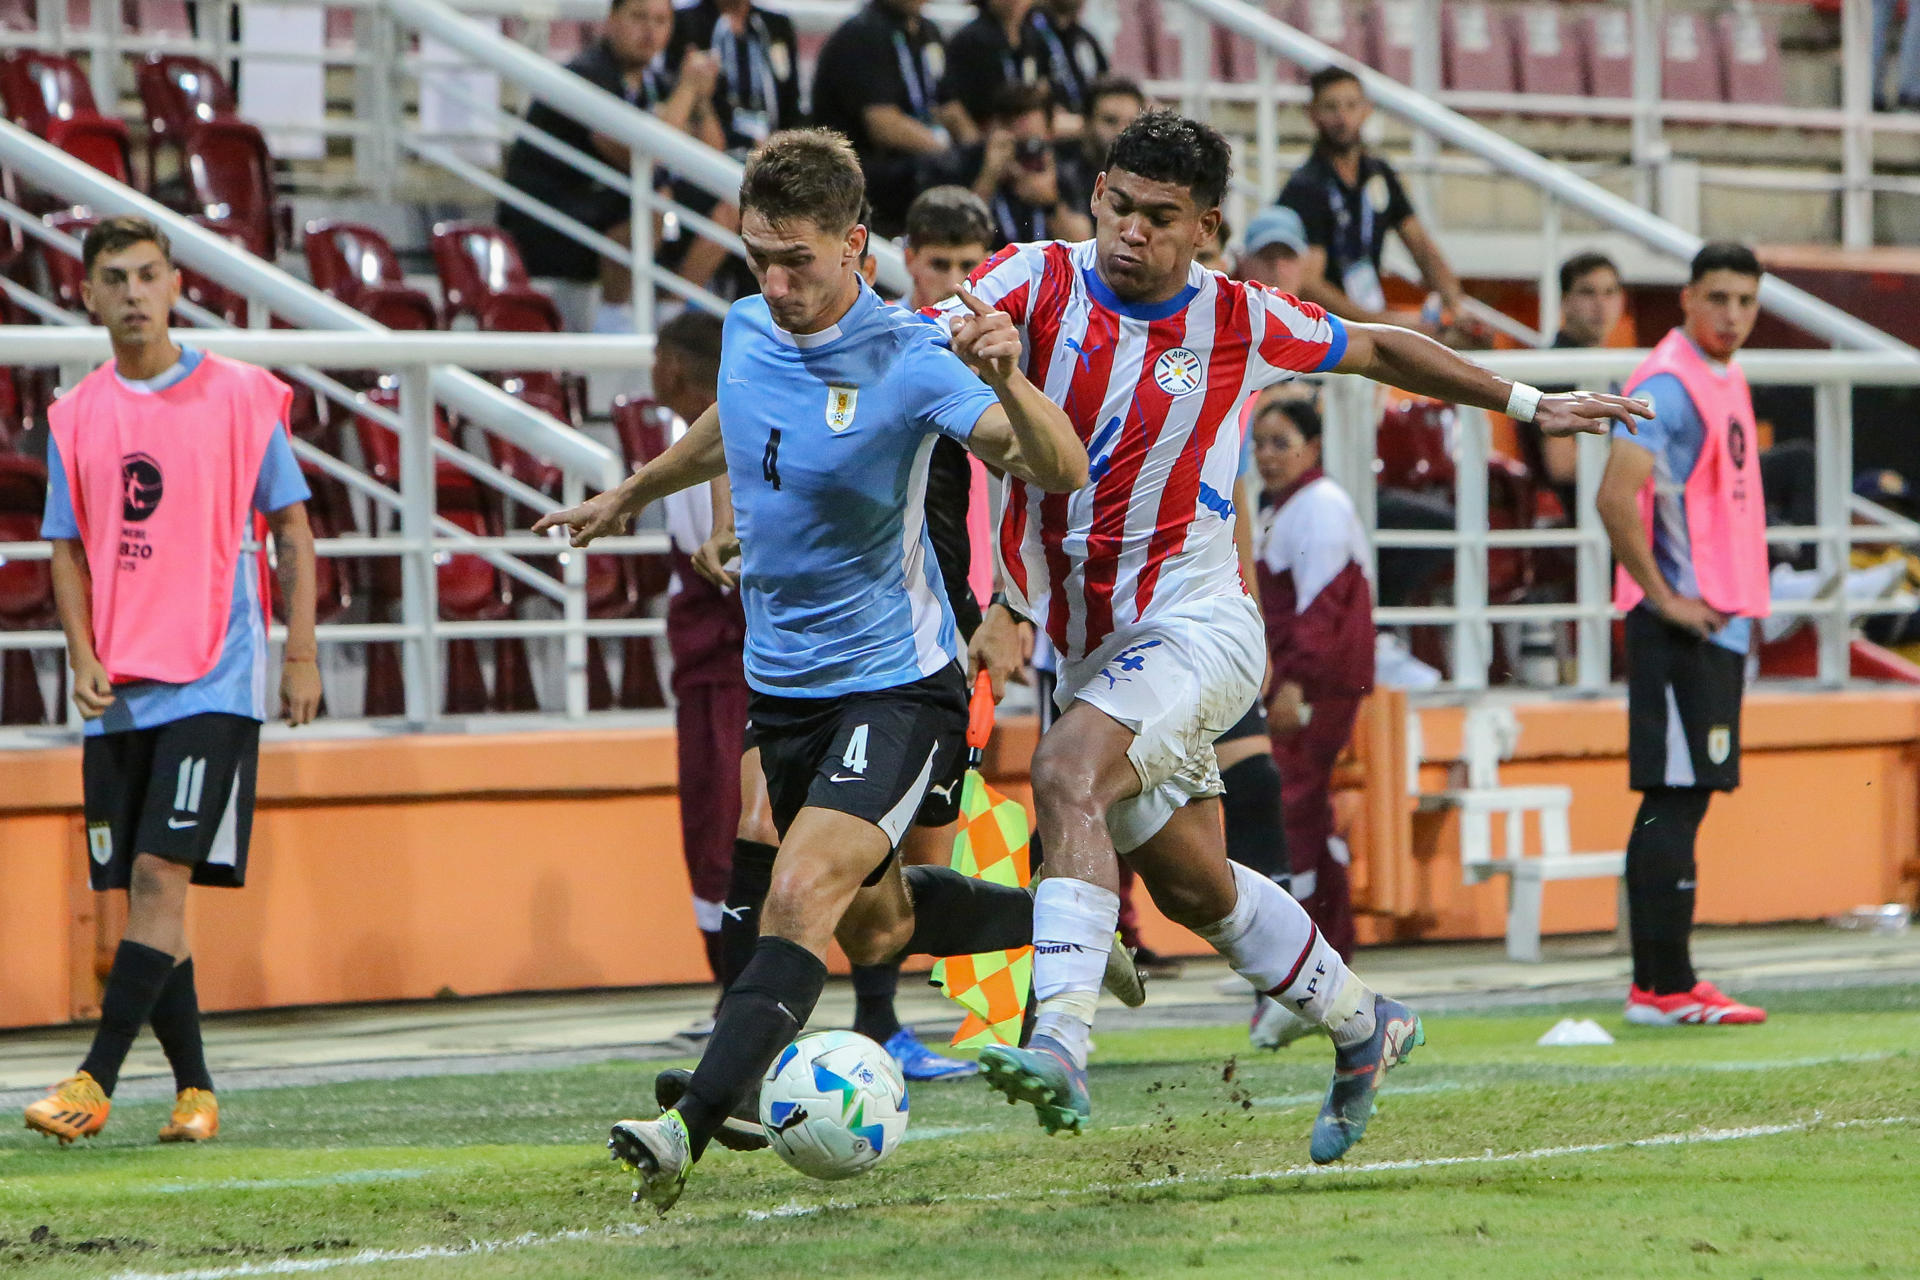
400, 867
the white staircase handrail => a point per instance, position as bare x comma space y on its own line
712, 171
215, 258
1785, 300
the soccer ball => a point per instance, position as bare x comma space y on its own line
834, 1105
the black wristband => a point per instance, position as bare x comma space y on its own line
1000, 598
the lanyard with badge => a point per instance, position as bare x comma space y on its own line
1010, 228
912, 69
756, 112
1361, 279
1066, 77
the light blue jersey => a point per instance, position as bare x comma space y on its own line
827, 436
237, 685
1675, 435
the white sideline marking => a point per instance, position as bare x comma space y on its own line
348, 1177
531, 1240
370, 1257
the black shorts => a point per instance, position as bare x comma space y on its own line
1683, 707
894, 757
1251, 725
182, 791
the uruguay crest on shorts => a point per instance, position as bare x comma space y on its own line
840, 402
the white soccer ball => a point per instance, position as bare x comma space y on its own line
834, 1104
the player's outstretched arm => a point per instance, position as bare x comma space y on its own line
1025, 434
1414, 362
694, 458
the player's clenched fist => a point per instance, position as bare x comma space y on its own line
601, 516
987, 341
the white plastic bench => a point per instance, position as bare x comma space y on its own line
1490, 735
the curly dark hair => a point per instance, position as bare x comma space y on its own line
1164, 146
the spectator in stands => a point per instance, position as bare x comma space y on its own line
1311, 560
997, 49
1075, 61
1906, 92
706, 630
1112, 103
878, 81
1592, 300
626, 62
1349, 200
757, 90
1274, 251
1017, 175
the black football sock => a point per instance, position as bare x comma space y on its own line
874, 986
740, 916
176, 1024
956, 915
1660, 887
1256, 833
763, 1011
138, 973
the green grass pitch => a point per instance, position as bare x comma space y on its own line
1785, 1150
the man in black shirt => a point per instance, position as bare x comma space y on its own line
757, 91
878, 81
1016, 175
1349, 201
1074, 61
996, 49
1592, 300
625, 62
1111, 104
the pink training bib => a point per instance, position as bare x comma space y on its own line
1726, 513
162, 485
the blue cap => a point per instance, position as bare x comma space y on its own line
1882, 484
1276, 226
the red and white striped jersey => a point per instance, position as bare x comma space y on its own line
1155, 392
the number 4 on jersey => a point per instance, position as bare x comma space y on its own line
856, 758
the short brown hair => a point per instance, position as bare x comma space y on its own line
805, 173
111, 235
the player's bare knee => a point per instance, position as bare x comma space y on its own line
1066, 781
154, 880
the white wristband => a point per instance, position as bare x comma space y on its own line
1523, 403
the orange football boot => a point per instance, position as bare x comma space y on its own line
77, 1107
195, 1118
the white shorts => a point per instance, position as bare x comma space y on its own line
1178, 680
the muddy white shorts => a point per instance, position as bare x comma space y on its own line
1178, 680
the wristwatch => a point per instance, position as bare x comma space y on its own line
1000, 598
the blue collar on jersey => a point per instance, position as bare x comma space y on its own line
173, 375
1148, 311
863, 301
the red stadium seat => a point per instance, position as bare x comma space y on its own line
1750, 57
355, 264
26, 589
1330, 22
1606, 51
41, 88
229, 174
1393, 30
217, 298
12, 412
1690, 60
64, 276
179, 92
96, 141
1476, 48
482, 275
1412, 445
1236, 59
1546, 51
18, 15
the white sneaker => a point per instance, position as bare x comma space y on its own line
1274, 1026
660, 1155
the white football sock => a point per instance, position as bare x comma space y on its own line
1270, 941
1073, 924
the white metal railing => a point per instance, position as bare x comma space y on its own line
422, 540
1352, 417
